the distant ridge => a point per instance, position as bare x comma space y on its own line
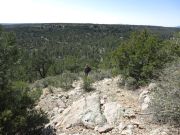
36, 24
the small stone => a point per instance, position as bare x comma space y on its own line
52, 117
55, 109
118, 91
131, 126
105, 97
67, 96
129, 113
68, 126
58, 95
106, 128
137, 124
64, 98
37, 107
102, 101
141, 126
147, 99
45, 92
144, 106
60, 110
62, 134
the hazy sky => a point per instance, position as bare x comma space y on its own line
142, 12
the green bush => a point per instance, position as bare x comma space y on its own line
17, 116
20, 85
17, 113
35, 94
166, 97
87, 84
142, 55
121, 82
64, 80
99, 75
130, 83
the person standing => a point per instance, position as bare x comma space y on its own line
87, 69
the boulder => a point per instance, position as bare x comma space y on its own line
113, 112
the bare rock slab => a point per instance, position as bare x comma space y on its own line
85, 111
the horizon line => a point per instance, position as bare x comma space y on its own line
149, 25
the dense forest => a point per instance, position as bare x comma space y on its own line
29, 52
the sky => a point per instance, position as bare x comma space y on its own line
136, 12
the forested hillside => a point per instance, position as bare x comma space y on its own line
50, 49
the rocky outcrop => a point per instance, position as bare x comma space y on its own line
85, 112
109, 110
51, 103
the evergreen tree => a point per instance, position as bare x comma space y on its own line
140, 56
17, 115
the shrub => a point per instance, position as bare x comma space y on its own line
87, 84
166, 97
99, 75
64, 80
18, 115
35, 94
121, 82
20, 85
140, 56
130, 83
